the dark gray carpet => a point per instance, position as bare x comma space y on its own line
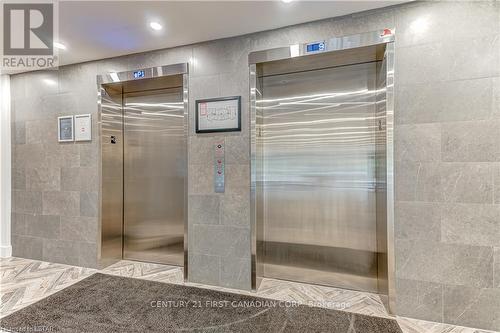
105, 303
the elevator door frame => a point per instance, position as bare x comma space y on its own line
136, 76
385, 38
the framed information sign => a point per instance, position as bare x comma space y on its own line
65, 129
218, 115
83, 127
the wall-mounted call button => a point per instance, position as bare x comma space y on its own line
219, 167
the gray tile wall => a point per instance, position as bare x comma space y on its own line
447, 146
447, 150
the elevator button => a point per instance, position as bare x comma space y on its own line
219, 167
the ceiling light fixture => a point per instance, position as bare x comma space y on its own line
286, 1
155, 26
49, 82
60, 46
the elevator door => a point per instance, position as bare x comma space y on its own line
154, 157
317, 144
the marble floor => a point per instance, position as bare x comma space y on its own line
25, 281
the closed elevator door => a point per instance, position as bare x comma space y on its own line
317, 139
154, 173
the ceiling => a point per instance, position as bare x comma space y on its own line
102, 29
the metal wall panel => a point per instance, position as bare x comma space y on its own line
111, 123
143, 199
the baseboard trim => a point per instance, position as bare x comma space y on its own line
5, 251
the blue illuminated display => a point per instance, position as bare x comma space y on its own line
138, 74
315, 47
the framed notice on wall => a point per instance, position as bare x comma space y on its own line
83, 127
65, 129
218, 115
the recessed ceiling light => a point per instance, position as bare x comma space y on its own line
60, 46
155, 26
286, 1
49, 82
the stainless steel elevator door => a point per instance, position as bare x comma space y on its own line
317, 145
154, 172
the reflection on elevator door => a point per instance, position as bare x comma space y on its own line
317, 139
154, 176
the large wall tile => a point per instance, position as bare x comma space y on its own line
27, 247
471, 224
89, 202
28, 156
43, 178
43, 226
18, 179
237, 150
417, 220
235, 208
428, 148
79, 228
473, 307
237, 177
221, 56
89, 156
222, 241
87, 254
450, 264
467, 182
496, 269
27, 202
78, 78
421, 300
201, 149
204, 268
496, 97
417, 24
79, 179
415, 181
449, 60
41, 131
445, 101
201, 179
61, 251
496, 183
61, 203
18, 129
471, 141
62, 155
235, 273
18, 224
204, 209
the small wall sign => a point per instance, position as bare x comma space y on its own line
139, 74
83, 127
65, 128
218, 115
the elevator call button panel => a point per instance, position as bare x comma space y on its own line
219, 167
